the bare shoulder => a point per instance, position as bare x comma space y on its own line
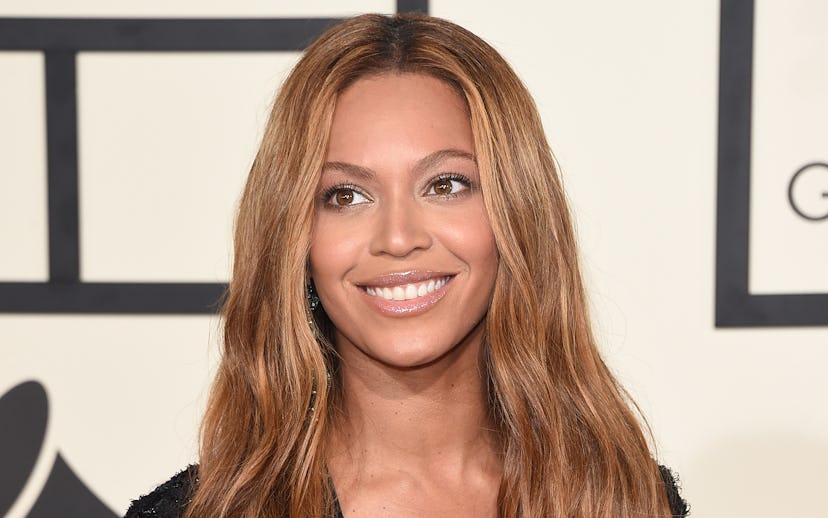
169, 500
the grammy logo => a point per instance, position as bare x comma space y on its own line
24, 412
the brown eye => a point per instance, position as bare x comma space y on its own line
442, 186
344, 197
448, 186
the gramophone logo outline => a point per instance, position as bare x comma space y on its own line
24, 414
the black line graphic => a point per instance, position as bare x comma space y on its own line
61, 39
735, 306
62, 160
158, 34
98, 297
412, 6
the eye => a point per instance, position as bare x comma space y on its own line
344, 196
449, 185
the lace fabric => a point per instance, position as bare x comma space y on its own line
170, 499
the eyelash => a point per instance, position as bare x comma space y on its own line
453, 177
328, 193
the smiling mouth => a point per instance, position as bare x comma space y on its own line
409, 291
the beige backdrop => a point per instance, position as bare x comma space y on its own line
628, 94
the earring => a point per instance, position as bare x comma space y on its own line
313, 391
313, 303
313, 298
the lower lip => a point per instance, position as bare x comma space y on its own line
405, 308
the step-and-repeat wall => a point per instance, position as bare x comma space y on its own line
693, 138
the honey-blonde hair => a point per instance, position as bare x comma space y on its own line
570, 442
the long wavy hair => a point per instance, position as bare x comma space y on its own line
571, 444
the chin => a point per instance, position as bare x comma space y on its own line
409, 355
406, 347
414, 352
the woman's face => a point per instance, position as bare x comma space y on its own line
402, 253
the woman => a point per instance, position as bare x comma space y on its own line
406, 331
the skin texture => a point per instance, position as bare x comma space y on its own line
414, 438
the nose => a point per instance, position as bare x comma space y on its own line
400, 228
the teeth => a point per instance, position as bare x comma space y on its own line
410, 291
407, 291
399, 293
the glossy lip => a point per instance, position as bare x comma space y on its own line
405, 308
400, 278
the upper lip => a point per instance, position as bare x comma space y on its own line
400, 278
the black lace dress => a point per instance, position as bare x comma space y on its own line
170, 499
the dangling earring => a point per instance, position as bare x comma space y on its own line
313, 298
313, 392
313, 303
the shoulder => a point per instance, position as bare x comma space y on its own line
678, 506
169, 500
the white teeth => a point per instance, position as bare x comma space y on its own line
399, 293
407, 291
410, 291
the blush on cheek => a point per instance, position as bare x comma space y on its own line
335, 245
473, 240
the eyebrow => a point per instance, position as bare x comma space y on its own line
423, 164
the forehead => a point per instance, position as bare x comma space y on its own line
400, 115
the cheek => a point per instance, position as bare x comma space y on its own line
472, 239
334, 251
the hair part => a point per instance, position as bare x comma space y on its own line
571, 444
